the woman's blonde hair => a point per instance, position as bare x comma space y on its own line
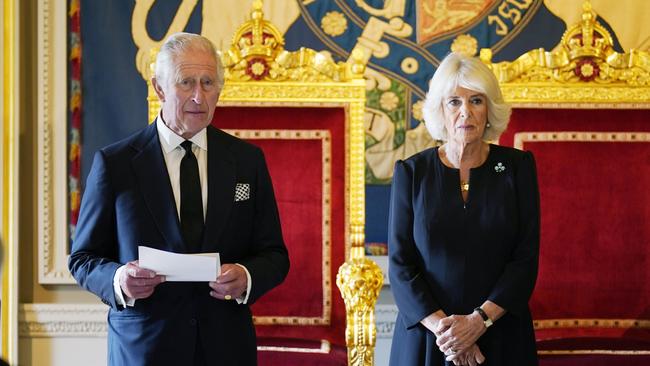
456, 71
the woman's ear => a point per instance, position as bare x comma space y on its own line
158, 88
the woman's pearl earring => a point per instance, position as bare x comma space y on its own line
488, 125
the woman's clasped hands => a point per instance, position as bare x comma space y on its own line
456, 337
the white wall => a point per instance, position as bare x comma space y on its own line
62, 334
62, 351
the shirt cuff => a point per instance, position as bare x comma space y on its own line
120, 297
243, 299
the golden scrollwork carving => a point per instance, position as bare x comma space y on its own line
360, 280
584, 69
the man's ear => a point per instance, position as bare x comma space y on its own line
158, 89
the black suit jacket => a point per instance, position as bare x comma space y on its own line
128, 201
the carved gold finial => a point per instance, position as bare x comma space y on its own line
358, 66
586, 10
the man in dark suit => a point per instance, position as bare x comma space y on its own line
184, 186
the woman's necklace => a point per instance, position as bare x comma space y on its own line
464, 186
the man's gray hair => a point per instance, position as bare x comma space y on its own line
456, 71
179, 43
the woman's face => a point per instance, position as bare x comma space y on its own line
465, 114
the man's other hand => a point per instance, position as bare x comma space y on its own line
139, 283
231, 284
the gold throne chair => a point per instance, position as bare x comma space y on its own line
584, 111
306, 113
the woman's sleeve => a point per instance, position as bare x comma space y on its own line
412, 294
515, 286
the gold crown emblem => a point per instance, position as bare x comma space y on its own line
256, 43
257, 53
588, 38
586, 55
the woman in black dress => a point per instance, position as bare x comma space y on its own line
463, 236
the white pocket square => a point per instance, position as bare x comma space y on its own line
242, 192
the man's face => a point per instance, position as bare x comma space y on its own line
190, 93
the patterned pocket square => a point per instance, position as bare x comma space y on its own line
242, 192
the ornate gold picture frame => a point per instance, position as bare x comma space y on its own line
53, 235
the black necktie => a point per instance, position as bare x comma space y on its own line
191, 202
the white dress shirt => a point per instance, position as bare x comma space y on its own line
173, 153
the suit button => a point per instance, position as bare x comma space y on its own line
192, 322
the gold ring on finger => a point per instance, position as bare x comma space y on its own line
228, 297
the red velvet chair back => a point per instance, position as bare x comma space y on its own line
584, 111
305, 153
594, 171
305, 112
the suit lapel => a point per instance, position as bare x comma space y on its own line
153, 180
221, 188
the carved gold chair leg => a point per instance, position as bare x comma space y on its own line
359, 279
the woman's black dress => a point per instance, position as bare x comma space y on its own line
448, 254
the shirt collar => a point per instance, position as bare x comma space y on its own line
169, 140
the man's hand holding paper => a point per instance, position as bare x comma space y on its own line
180, 267
137, 282
231, 284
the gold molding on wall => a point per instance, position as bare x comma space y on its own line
9, 177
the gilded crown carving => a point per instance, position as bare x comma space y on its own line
586, 54
577, 71
257, 53
588, 38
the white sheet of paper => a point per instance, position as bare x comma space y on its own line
180, 267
